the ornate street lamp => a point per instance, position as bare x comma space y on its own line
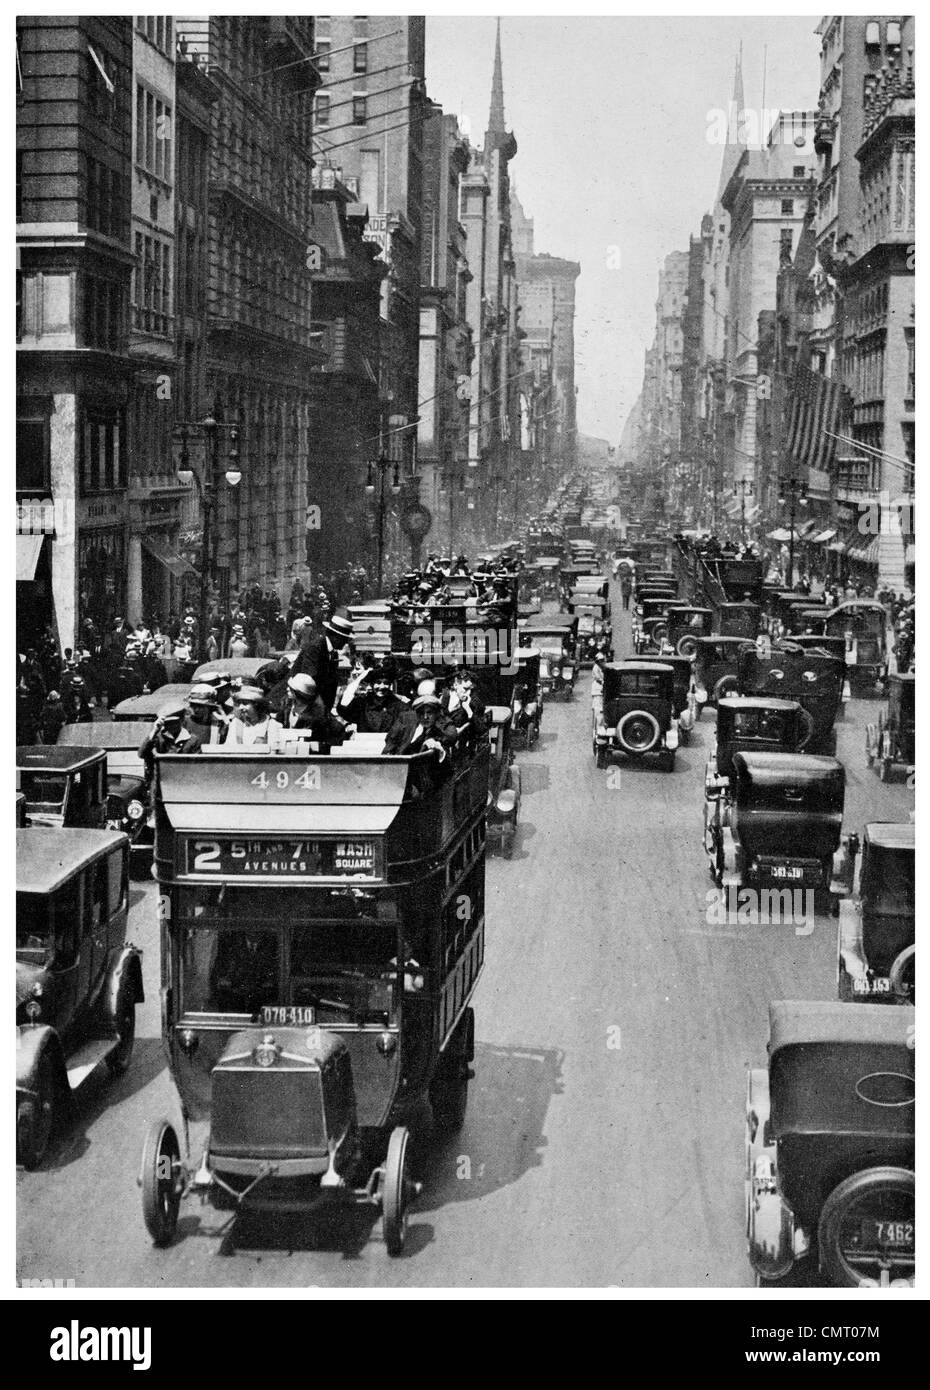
207, 486
381, 465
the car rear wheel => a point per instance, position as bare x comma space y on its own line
866, 1231
160, 1179
638, 732
118, 1060
395, 1192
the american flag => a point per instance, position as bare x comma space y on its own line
813, 411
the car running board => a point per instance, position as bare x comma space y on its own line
87, 1058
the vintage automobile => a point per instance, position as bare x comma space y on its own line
636, 715
322, 939
649, 623
22, 818
875, 947
647, 591
556, 647
747, 724
805, 621
77, 979
736, 619
784, 823
63, 786
811, 677
682, 626
505, 788
716, 663
593, 615
890, 741
527, 704
139, 707
830, 1145
864, 625
779, 604
548, 567
128, 807
685, 703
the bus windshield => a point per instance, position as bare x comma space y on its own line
321, 957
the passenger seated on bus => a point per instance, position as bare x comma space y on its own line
252, 725
207, 720
421, 728
373, 710
464, 707
169, 734
306, 712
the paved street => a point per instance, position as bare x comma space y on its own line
603, 1143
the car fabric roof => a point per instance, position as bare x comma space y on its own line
47, 857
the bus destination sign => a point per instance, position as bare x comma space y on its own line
280, 857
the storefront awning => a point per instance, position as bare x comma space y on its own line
27, 556
162, 552
779, 534
864, 550
838, 546
822, 537
910, 554
803, 532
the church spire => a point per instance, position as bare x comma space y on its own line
497, 136
736, 135
496, 123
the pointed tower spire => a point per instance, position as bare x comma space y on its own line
496, 123
733, 151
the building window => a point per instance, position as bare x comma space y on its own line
322, 108
322, 54
359, 110
103, 313
33, 472
799, 172
873, 34
151, 295
153, 133
893, 33
102, 461
360, 58
787, 207
157, 29
104, 206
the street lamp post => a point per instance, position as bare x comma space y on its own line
381, 464
741, 488
207, 486
792, 492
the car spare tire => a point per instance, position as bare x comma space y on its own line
687, 645
871, 1197
805, 729
727, 685
638, 731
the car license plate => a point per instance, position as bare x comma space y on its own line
792, 872
880, 985
288, 1014
891, 1235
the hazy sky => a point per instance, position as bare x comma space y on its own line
611, 119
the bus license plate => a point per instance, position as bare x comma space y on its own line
295, 1015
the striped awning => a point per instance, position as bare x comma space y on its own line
864, 549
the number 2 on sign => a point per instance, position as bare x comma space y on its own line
309, 779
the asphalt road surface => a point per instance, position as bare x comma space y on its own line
604, 1138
